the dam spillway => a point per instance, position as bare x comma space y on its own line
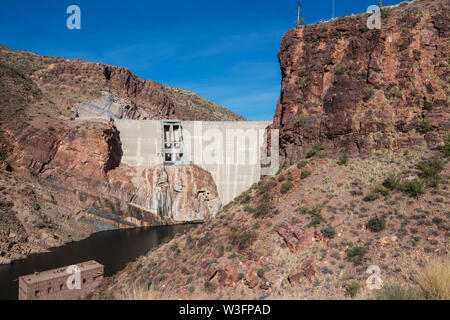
231, 151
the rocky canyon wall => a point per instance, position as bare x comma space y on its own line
355, 90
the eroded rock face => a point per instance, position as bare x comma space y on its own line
355, 89
64, 184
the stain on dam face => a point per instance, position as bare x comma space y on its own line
233, 152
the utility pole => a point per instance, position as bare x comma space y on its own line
381, 4
334, 9
299, 20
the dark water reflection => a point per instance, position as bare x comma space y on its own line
114, 249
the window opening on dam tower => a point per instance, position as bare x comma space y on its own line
173, 144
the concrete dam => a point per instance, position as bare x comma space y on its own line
233, 152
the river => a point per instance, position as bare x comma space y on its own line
114, 249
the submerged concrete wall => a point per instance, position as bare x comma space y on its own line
229, 150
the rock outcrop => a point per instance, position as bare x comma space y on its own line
354, 89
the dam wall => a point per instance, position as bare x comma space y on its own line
231, 151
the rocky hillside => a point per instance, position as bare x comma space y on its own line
356, 90
60, 173
311, 232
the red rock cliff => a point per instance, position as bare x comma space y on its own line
354, 89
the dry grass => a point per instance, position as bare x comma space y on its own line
137, 292
434, 279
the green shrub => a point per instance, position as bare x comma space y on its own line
372, 195
428, 106
424, 125
281, 178
353, 288
404, 45
316, 216
191, 289
368, 93
285, 187
343, 159
393, 181
305, 174
260, 273
376, 224
262, 210
241, 276
356, 255
414, 188
431, 169
446, 147
340, 69
302, 164
314, 150
329, 232
300, 120
242, 239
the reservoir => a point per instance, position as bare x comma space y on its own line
114, 249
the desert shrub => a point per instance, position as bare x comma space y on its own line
302, 164
368, 93
353, 288
376, 224
343, 159
316, 216
396, 292
248, 208
446, 147
302, 209
431, 169
340, 69
245, 198
267, 187
191, 289
281, 178
356, 255
329, 232
241, 276
300, 120
393, 181
285, 187
242, 239
260, 273
428, 106
423, 125
375, 193
209, 287
262, 210
314, 150
404, 45
305, 174
434, 279
413, 188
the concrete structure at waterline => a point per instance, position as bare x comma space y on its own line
65, 283
233, 152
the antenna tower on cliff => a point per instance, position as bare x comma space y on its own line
334, 9
299, 20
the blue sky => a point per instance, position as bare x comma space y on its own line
226, 51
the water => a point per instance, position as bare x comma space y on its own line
114, 249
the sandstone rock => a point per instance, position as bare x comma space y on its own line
308, 270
